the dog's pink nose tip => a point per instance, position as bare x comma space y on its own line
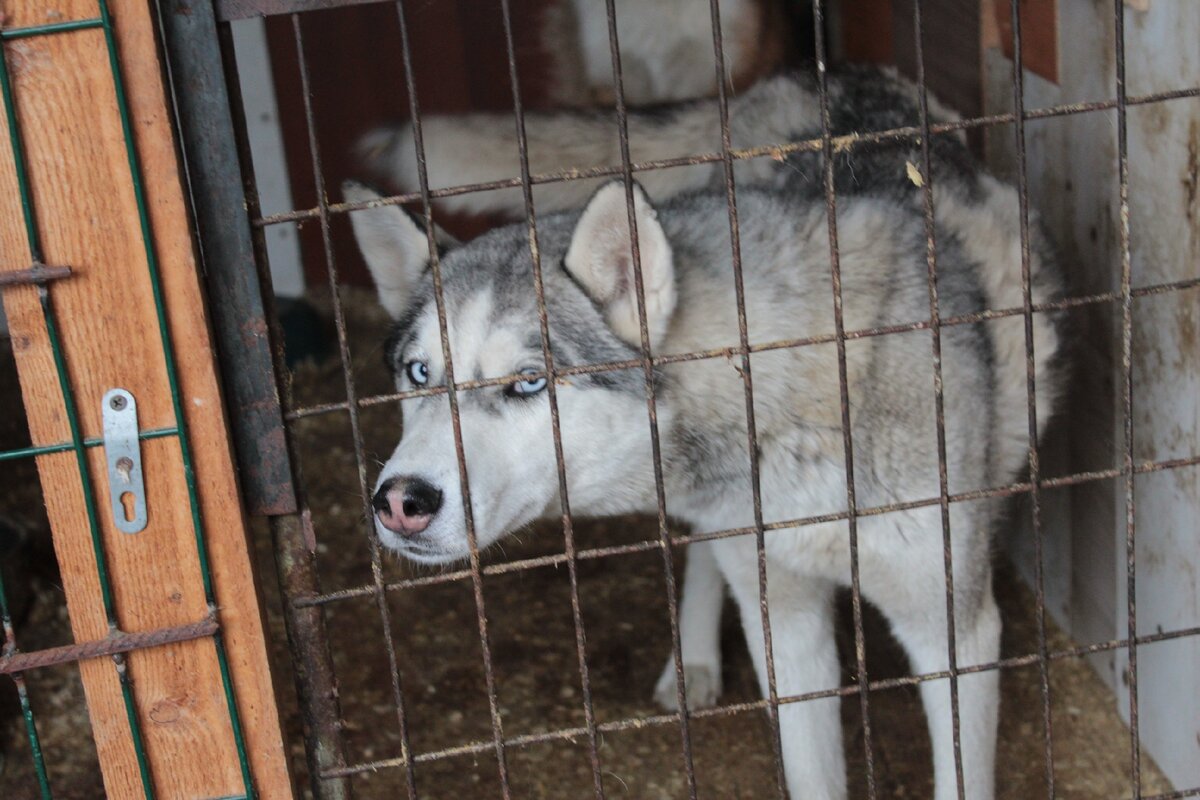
406, 505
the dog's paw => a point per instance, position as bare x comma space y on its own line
702, 683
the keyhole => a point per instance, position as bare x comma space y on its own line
127, 504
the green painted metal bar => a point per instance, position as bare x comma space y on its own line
135, 730
18, 150
47, 30
31, 733
35, 742
135, 171
10, 113
30, 452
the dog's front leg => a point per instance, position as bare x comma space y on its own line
699, 634
805, 656
977, 636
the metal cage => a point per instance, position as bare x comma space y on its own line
204, 91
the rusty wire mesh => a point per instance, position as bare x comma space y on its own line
666, 541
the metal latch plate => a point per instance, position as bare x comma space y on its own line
126, 489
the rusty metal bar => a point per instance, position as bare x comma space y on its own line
552, 397
1194, 792
1010, 490
228, 10
348, 377
935, 329
308, 642
109, 646
1135, 750
38, 274
752, 448
1039, 581
435, 266
775, 151
860, 648
664, 534
293, 540
639, 723
734, 350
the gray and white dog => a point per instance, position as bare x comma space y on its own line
686, 263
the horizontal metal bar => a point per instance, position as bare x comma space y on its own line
732, 351
41, 450
46, 30
1179, 793
775, 151
685, 539
570, 734
111, 645
37, 274
246, 9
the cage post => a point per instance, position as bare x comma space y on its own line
85, 109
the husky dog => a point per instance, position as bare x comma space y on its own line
682, 230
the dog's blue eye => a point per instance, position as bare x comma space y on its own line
418, 372
532, 386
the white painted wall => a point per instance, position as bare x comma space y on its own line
1163, 53
266, 150
1072, 168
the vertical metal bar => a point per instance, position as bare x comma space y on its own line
35, 743
316, 683
1031, 399
414, 107
935, 329
18, 148
589, 715
202, 100
860, 648
135, 730
293, 539
31, 733
735, 242
1135, 758
664, 534
360, 458
164, 333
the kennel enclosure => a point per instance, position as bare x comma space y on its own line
94, 306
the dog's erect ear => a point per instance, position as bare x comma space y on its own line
601, 259
394, 245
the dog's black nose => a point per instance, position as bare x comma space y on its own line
380, 501
406, 505
421, 499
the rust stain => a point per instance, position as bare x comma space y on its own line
1191, 175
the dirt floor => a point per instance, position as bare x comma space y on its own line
532, 641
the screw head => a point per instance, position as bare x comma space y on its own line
117, 403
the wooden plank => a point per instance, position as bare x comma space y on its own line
87, 218
1039, 34
953, 67
867, 31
